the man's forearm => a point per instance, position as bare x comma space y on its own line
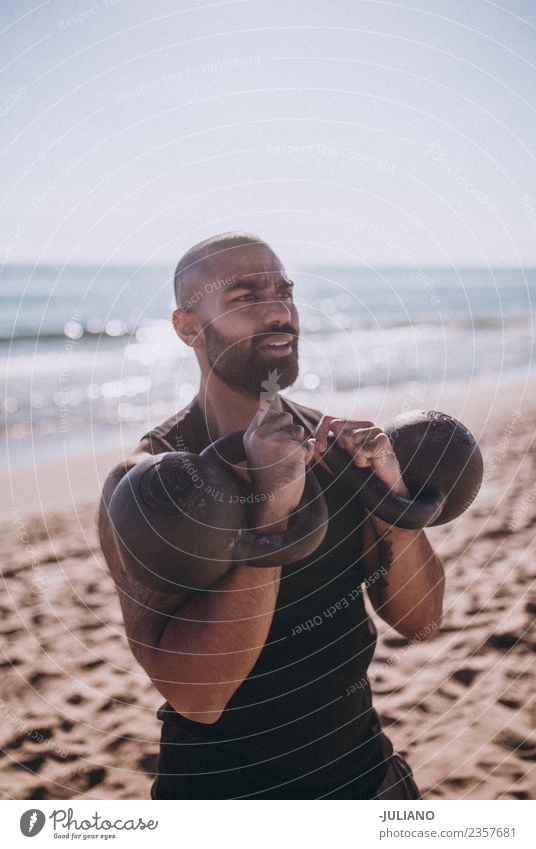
211, 644
409, 593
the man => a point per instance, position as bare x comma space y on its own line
265, 672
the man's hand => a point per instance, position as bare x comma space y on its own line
277, 452
368, 445
409, 594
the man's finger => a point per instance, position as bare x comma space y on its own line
321, 432
362, 459
310, 449
352, 433
337, 425
383, 441
297, 432
270, 421
376, 448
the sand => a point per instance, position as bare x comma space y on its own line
78, 713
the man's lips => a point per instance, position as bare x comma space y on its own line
280, 344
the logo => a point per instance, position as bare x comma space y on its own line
270, 389
31, 822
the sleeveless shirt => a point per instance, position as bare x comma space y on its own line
301, 724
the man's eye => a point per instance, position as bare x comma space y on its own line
251, 296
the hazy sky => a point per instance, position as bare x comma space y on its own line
341, 131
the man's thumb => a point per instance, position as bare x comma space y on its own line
312, 443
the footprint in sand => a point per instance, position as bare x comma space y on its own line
465, 676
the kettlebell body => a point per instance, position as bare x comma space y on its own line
181, 520
438, 456
441, 465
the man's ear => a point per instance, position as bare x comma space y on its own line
187, 327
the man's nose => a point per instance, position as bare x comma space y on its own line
277, 312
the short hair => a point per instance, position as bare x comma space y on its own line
208, 247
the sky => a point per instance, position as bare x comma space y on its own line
342, 131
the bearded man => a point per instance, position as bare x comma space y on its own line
264, 673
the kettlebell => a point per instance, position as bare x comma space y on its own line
180, 519
441, 465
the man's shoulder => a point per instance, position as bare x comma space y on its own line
187, 431
183, 431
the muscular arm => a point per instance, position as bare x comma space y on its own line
196, 647
211, 643
408, 594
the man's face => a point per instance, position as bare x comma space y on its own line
249, 322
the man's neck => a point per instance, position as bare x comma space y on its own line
225, 409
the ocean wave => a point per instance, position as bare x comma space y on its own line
116, 329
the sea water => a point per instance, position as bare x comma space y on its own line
88, 353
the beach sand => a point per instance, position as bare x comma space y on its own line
78, 713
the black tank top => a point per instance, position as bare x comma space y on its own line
301, 725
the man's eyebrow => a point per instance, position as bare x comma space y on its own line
254, 282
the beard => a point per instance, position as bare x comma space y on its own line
240, 364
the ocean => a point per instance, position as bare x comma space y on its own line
88, 356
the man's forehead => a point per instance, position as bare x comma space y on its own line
235, 260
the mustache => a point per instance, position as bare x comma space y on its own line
290, 330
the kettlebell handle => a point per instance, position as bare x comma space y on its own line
419, 511
441, 465
374, 494
171, 534
307, 525
439, 458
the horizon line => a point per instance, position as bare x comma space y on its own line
308, 267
